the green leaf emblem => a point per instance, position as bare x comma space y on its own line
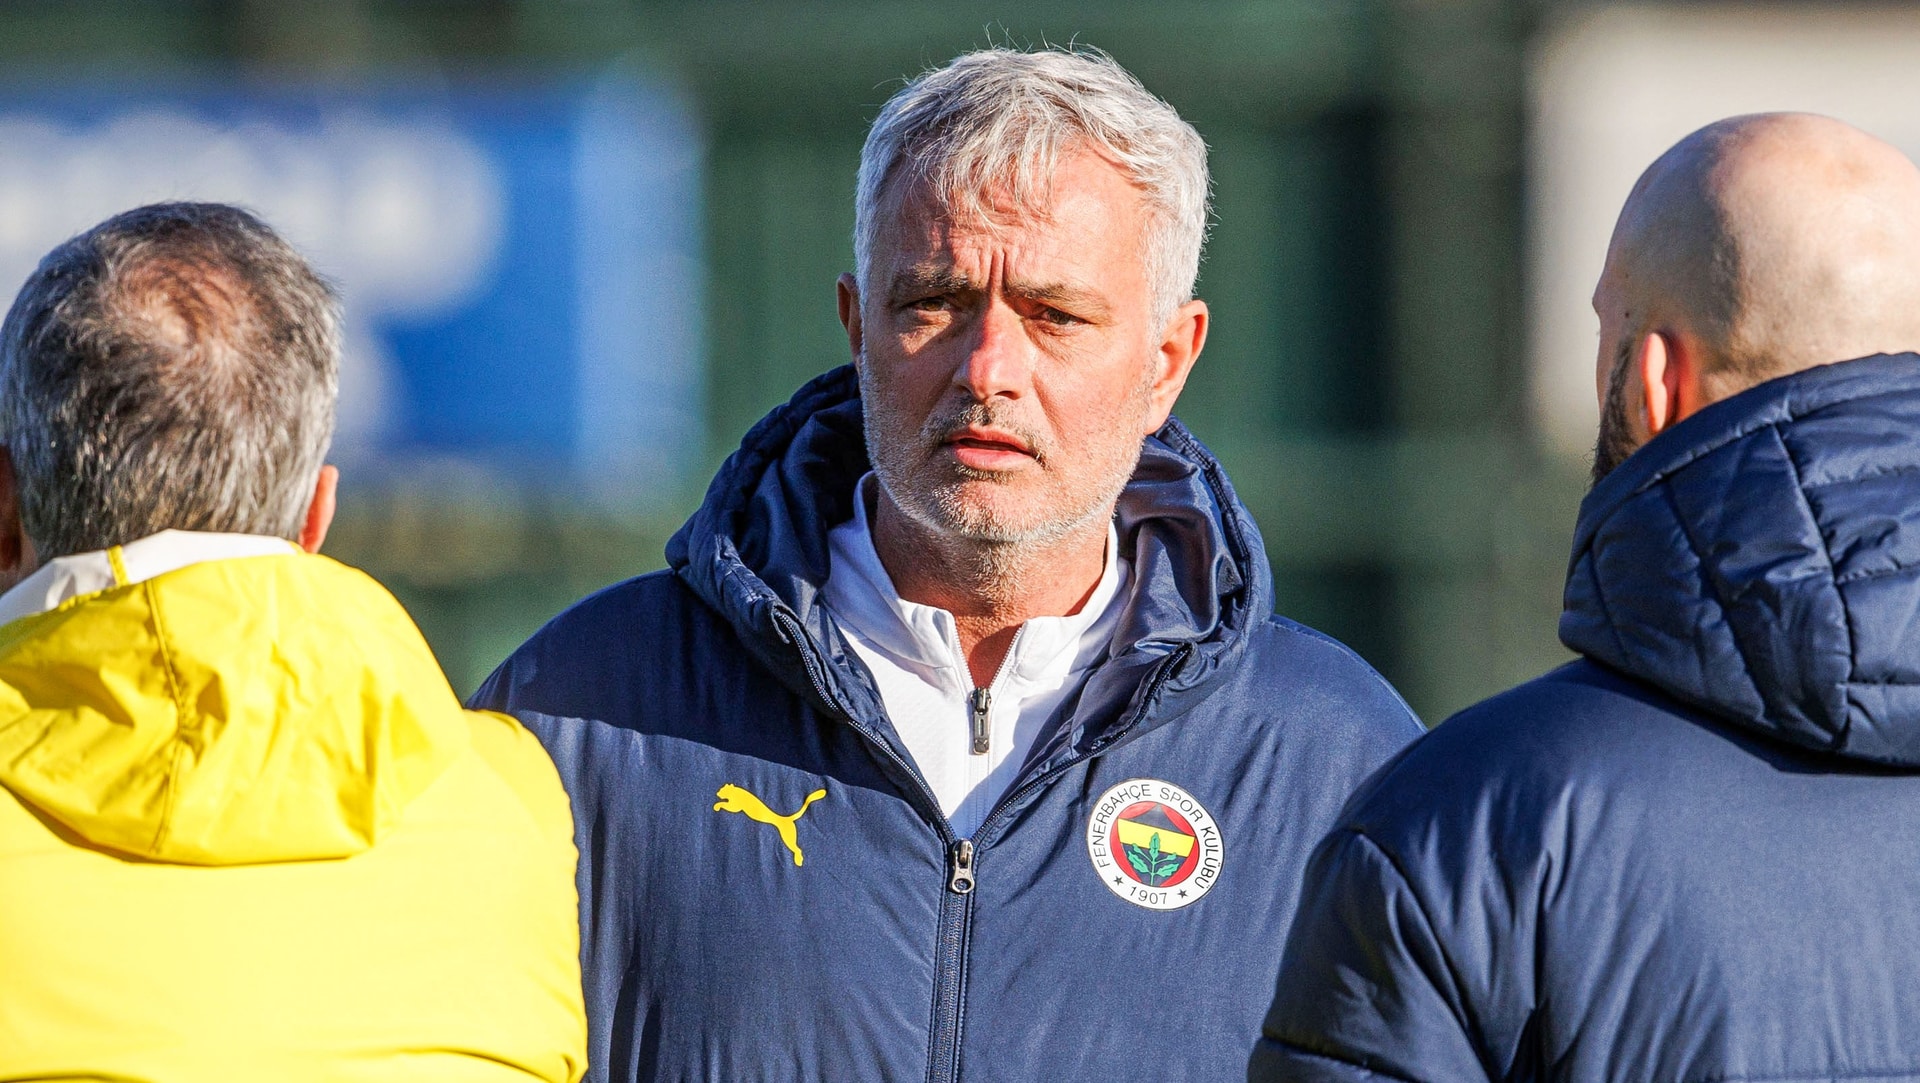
1152, 864
1138, 862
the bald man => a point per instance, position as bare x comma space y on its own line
1694, 853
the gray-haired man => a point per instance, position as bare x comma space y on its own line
959, 740
246, 831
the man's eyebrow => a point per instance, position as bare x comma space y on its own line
1079, 301
930, 281
927, 281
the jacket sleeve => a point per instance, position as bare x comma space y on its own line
1366, 989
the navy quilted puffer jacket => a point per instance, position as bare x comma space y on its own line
769, 890
1692, 856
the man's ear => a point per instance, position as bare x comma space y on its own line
320, 511
1180, 347
1670, 379
17, 558
847, 293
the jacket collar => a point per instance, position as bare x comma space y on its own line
1761, 560
757, 552
67, 577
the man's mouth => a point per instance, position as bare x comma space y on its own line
989, 449
990, 439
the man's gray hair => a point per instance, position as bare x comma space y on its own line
994, 125
175, 367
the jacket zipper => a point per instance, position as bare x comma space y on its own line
956, 913
980, 700
956, 910
960, 879
956, 904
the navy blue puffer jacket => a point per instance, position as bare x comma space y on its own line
1691, 857
768, 888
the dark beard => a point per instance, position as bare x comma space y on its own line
1616, 421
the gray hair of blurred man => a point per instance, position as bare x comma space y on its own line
175, 367
990, 127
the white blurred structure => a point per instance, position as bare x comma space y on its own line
405, 216
638, 178
1613, 88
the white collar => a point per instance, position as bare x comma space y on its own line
156, 554
861, 594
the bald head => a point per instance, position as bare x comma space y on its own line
1777, 241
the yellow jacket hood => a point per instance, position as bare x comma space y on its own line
199, 717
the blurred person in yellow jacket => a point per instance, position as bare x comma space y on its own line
246, 830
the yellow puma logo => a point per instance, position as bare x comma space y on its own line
734, 799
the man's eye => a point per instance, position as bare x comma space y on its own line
1058, 318
929, 304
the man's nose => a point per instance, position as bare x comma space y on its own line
999, 360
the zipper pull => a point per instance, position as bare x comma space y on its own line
961, 880
982, 725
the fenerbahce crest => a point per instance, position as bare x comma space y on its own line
1154, 845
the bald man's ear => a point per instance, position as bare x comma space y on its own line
1670, 373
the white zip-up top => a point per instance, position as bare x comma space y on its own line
968, 743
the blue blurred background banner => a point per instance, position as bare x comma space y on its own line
520, 260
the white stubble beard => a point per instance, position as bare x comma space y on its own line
1000, 555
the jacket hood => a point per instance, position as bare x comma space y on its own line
1761, 560
757, 552
260, 709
